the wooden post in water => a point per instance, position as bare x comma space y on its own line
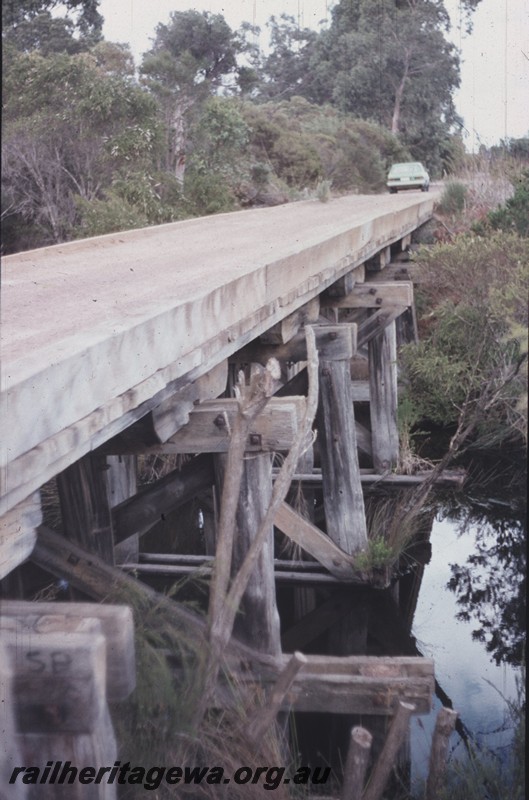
444, 726
356, 764
382, 769
382, 351
342, 490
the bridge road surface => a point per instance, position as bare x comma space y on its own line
96, 332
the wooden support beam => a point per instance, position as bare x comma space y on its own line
317, 544
259, 724
282, 332
122, 477
346, 283
342, 491
332, 341
383, 405
349, 685
18, 533
95, 578
257, 623
294, 577
210, 423
375, 295
368, 478
380, 260
85, 506
360, 393
376, 323
170, 415
140, 512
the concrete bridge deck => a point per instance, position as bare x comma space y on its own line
97, 332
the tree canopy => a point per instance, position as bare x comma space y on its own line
210, 122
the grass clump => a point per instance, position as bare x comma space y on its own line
453, 198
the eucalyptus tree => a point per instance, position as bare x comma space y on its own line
388, 61
189, 61
29, 25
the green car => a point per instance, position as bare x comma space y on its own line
410, 175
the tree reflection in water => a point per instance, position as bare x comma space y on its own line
490, 587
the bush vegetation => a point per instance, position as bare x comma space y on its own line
470, 368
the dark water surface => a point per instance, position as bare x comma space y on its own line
461, 621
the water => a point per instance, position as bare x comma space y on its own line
478, 686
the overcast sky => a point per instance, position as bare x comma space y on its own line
494, 95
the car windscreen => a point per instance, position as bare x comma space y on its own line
406, 169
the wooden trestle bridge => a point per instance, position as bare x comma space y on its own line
130, 344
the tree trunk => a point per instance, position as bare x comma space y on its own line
399, 94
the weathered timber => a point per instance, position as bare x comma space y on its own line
304, 596
257, 623
210, 423
342, 693
363, 439
71, 751
383, 404
18, 532
317, 544
376, 323
115, 622
259, 724
85, 506
396, 734
171, 414
342, 491
300, 578
445, 724
59, 680
360, 392
380, 260
368, 477
139, 513
356, 764
332, 341
98, 580
282, 332
10, 756
122, 478
375, 295
346, 284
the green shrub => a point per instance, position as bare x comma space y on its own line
471, 363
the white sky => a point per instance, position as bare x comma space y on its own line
494, 95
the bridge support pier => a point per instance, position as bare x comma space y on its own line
382, 350
342, 491
257, 623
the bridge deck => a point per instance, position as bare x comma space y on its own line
95, 332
